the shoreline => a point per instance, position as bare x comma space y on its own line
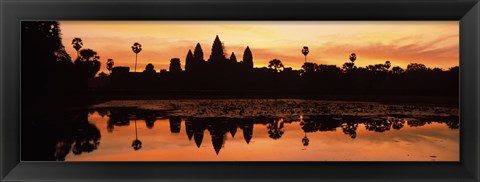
450, 101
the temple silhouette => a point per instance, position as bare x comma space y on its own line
216, 71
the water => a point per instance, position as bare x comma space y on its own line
263, 130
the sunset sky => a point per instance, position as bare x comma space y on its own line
433, 43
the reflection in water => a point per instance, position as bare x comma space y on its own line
136, 144
321, 137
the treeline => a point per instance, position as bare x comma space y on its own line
416, 79
49, 75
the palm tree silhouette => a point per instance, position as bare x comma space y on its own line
305, 51
350, 66
305, 140
77, 44
110, 64
136, 48
136, 144
353, 57
387, 64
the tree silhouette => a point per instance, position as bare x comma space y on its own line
305, 51
136, 48
350, 128
397, 123
275, 129
309, 68
378, 125
149, 69
88, 63
349, 67
110, 64
416, 67
86, 139
397, 70
102, 75
275, 65
49, 67
387, 65
353, 57
136, 144
77, 44
305, 140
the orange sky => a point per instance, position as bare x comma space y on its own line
433, 43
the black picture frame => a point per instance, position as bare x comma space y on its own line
465, 11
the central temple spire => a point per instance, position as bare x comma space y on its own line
218, 54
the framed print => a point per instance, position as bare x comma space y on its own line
240, 90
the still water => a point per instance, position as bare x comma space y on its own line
263, 130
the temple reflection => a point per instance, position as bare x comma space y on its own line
84, 137
218, 128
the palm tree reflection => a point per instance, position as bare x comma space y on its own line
136, 144
86, 137
305, 140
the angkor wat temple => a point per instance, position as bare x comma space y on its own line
217, 72
194, 62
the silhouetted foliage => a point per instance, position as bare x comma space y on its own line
49, 77
397, 70
353, 57
305, 52
276, 65
276, 129
77, 44
88, 64
110, 64
305, 140
149, 69
350, 128
416, 67
136, 144
309, 68
387, 65
136, 48
102, 75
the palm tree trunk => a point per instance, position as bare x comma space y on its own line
136, 55
136, 136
